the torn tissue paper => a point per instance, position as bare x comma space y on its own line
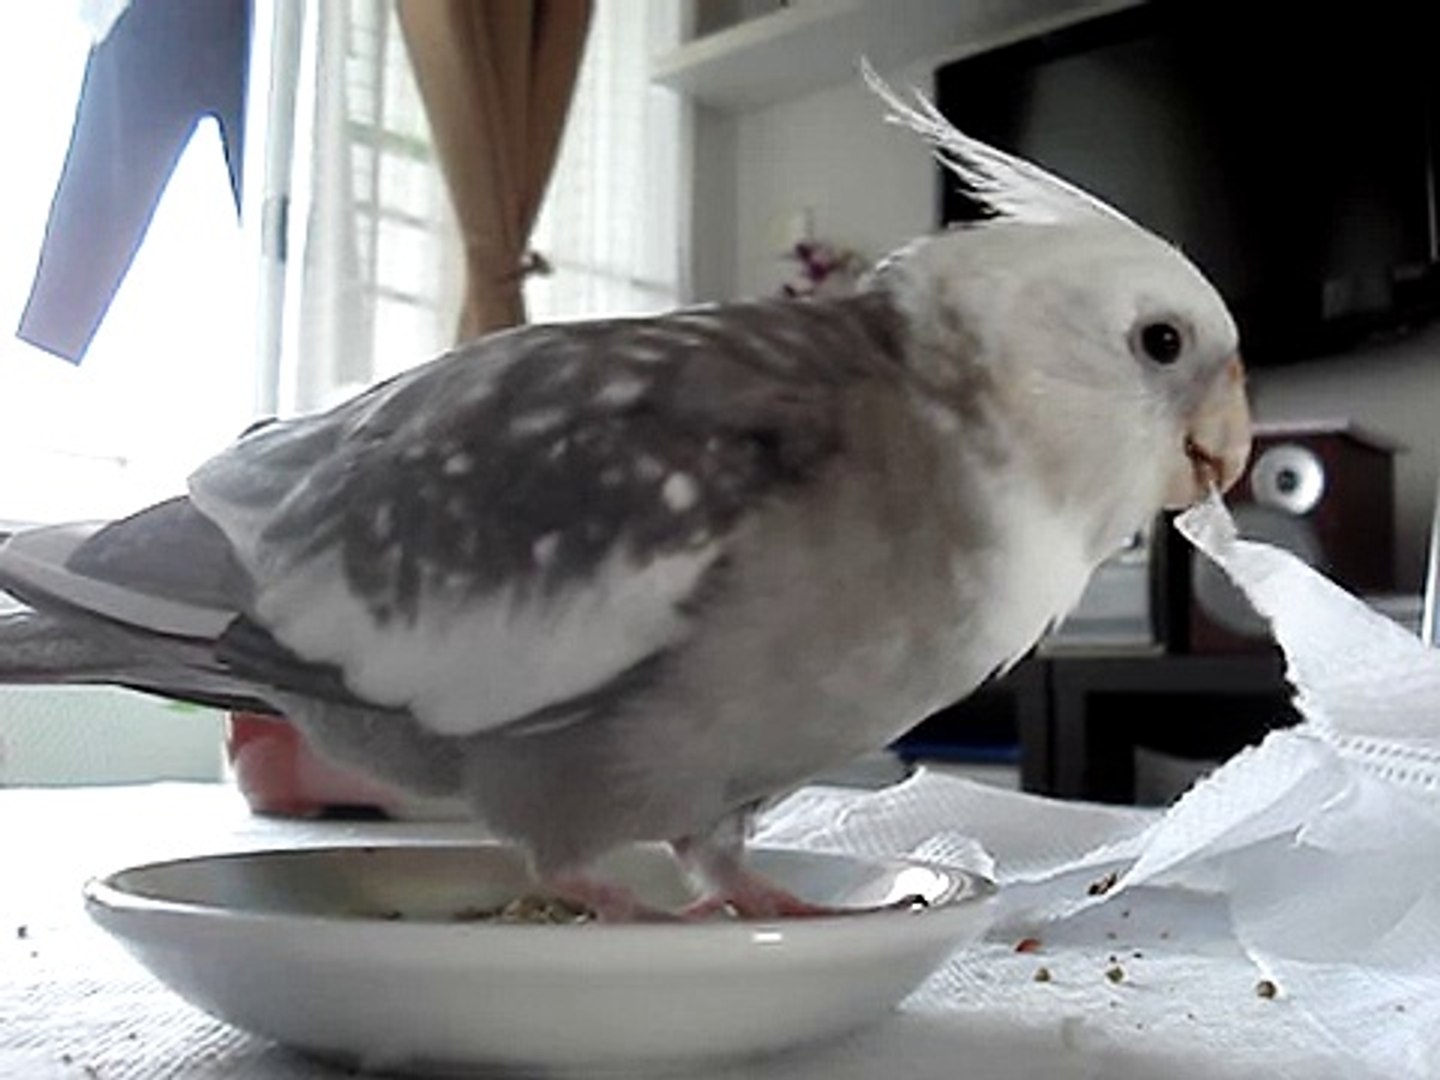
1313, 859
1325, 839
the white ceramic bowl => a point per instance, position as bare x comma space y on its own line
304, 947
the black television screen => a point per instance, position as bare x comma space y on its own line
1291, 153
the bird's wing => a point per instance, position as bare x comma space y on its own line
166, 570
137, 602
528, 519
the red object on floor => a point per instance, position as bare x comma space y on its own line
279, 774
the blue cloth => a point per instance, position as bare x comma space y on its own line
164, 64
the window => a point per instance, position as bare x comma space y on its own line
612, 221
375, 273
382, 266
167, 380
379, 278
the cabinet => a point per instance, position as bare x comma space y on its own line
1107, 713
806, 45
1092, 727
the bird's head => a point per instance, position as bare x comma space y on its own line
1099, 340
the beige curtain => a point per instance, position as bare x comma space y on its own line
496, 77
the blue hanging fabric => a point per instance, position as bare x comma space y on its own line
163, 66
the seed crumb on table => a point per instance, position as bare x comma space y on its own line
1103, 885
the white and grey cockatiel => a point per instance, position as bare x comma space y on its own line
627, 579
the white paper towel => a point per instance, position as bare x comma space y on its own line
1316, 854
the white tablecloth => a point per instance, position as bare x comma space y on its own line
73, 1003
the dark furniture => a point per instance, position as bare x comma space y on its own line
1077, 724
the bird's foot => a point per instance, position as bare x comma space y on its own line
736, 891
755, 898
751, 898
743, 895
608, 903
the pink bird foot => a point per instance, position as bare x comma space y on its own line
608, 903
737, 891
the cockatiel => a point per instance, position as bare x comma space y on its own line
628, 579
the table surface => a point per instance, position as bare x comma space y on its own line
74, 1004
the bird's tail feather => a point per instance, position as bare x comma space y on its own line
139, 602
37, 648
48, 648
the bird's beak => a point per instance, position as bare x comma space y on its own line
1217, 441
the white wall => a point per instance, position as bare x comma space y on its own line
712, 211
865, 184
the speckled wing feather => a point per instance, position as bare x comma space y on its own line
528, 518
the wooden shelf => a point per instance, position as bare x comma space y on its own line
809, 46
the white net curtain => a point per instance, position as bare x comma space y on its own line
377, 286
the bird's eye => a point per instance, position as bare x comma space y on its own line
1161, 342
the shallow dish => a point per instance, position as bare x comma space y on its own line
372, 955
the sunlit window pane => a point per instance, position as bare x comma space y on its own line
167, 379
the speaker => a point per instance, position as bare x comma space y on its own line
1326, 493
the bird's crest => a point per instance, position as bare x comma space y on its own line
1002, 186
